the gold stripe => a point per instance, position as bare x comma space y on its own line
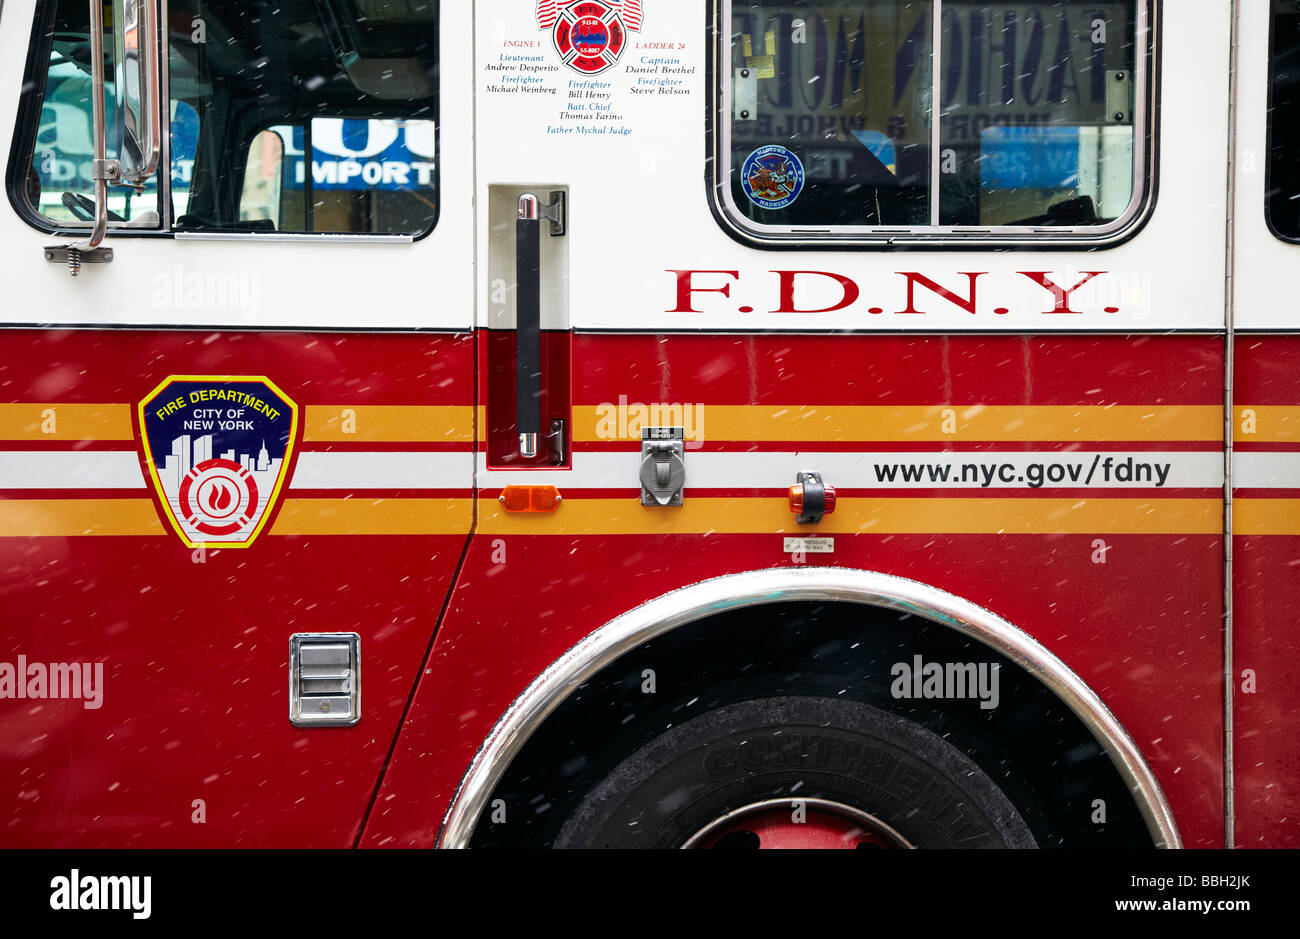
908, 424
65, 422
398, 424
867, 516
1266, 517
67, 518
374, 517
1267, 425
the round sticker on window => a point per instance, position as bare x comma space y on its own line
772, 177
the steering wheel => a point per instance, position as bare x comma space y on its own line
83, 207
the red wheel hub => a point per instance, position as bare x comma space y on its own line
797, 823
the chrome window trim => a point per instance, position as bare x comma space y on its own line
737, 591
326, 237
739, 226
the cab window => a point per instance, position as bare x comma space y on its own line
292, 116
849, 119
1282, 206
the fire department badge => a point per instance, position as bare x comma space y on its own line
772, 177
589, 35
218, 450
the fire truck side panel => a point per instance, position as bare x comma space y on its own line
635, 165
765, 403
373, 342
532, 586
1266, 429
195, 642
1049, 452
1266, 718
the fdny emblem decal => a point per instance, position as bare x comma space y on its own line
772, 177
589, 35
218, 450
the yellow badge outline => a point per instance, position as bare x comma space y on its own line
275, 490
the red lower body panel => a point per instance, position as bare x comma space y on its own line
1266, 593
188, 740
1143, 628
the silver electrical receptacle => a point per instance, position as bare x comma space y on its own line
663, 465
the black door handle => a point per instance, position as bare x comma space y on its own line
528, 325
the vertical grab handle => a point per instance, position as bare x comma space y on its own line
528, 325
135, 38
150, 117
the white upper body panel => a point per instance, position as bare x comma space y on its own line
630, 145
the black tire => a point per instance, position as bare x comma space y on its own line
801, 748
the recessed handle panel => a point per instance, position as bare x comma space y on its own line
528, 325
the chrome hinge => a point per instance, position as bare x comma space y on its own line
75, 256
557, 213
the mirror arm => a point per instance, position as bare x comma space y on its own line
99, 165
102, 170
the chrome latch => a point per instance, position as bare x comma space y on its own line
556, 212
744, 94
663, 466
558, 440
1119, 96
324, 679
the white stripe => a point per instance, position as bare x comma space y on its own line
1259, 470
768, 470
71, 469
382, 470
352, 470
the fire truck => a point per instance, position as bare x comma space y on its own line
650, 423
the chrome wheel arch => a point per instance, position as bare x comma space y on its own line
756, 588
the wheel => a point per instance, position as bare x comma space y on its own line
796, 773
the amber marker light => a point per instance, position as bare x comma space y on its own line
796, 500
530, 499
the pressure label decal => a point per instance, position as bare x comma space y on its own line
772, 177
218, 449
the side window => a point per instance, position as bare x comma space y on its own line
1282, 208
293, 116
348, 86
839, 120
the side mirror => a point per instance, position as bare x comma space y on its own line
135, 42
136, 48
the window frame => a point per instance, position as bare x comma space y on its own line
27, 126
1268, 138
790, 237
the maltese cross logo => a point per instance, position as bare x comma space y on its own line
589, 35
